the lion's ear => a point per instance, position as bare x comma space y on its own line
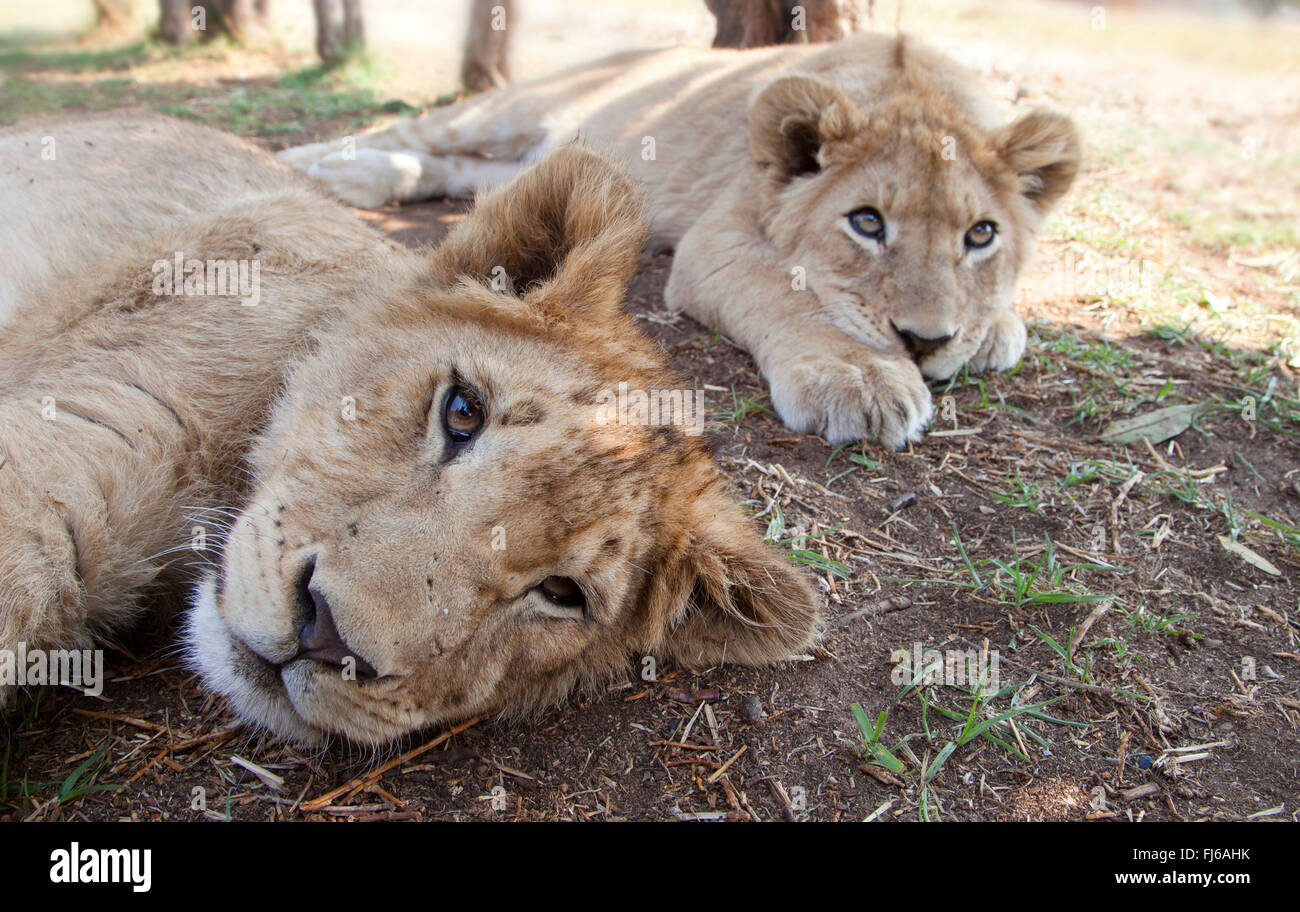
792, 119
734, 597
1044, 149
569, 229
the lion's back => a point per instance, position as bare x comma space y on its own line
76, 189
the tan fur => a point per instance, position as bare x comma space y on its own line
751, 161
307, 428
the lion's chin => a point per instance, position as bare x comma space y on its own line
942, 365
253, 688
295, 702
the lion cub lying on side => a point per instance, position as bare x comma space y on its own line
396, 473
853, 214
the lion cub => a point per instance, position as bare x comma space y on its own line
390, 466
853, 214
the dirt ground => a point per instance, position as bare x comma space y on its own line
1141, 599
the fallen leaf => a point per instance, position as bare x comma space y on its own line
1249, 556
1157, 426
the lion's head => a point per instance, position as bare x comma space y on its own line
441, 523
912, 217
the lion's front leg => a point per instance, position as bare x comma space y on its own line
395, 137
42, 599
88, 516
822, 381
453, 151
372, 177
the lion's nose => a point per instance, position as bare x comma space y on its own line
921, 346
319, 638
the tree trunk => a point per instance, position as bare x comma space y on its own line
757, 23
176, 22
340, 30
485, 63
244, 19
354, 27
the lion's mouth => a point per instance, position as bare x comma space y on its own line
286, 683
261, 669
264, 671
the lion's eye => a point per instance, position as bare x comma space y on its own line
981, 234
462, 414
868, 222
563, 592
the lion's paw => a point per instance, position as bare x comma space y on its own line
301, 158
845, 399
368, 179
1003, 345
42, 593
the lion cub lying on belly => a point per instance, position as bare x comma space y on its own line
411, 505
851, 214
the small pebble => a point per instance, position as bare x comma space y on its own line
751, 709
